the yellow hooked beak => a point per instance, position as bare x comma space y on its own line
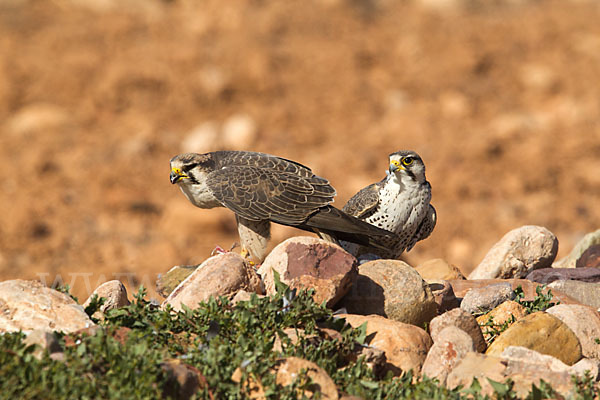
177, 174
395, 166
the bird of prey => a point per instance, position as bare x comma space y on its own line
260, 188
398, 203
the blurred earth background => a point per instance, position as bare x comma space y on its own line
501, 99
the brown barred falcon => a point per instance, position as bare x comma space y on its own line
260, 188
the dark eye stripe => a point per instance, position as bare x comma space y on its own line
187, 167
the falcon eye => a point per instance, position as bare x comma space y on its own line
407, 161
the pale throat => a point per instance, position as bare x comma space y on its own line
199, 194
404, 180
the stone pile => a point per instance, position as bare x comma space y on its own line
428, 319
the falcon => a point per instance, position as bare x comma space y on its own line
260, 188
398, 203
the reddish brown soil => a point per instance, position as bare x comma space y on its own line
502, 102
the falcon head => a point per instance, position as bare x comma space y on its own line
190, 168
407, 164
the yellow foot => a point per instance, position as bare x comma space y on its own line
244, 253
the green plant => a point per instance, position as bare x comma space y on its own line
585, 387
491, 330
124, 359
541, 302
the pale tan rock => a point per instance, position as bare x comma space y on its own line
524, 366
480, 366
289, 368
527, 366
543, 333
462, 320
519, 252
584, 321
451, 346
29, 305
439, 269
114, 294
239, 131
35, 119
221, 275
525, 355
405, 345
311, 263
393, 289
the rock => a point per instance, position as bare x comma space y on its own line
289, 368
480, 366
590, 258
524, 366
538, 77
183, 380
486, 298
443, 295
251, 388
570, 261
462, 320
522, 362
393, 289
525, 355
243, 295
311, 263
543, 333
374, 358
441, 5
166, 283
29, 305
438, 269
451, 346
549, 275
221, 275
239, 132
45, 340
591, 366
38, 118
584, 322
584, 292
202, 139
519, 252
114, 294
405, 346
501, 315
461, 288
